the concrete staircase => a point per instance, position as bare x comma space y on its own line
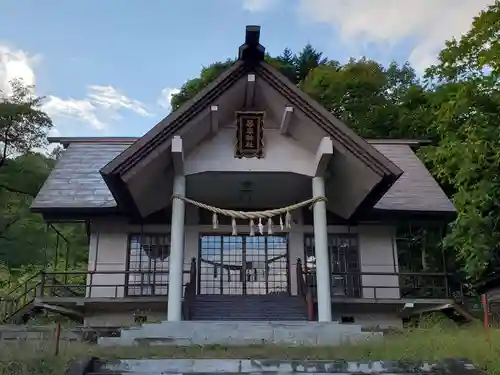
240, 333
271, 307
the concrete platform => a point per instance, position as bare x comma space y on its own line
270, 367
240, 333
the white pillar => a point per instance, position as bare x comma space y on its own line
176, 260
321, 252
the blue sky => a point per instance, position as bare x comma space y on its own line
107, 67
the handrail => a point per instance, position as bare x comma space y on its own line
11, 305
190, 293
22, 285
387, 285
56, 284
304, 290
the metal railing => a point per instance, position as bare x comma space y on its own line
106, 284
389, 285
190, 292
304, 290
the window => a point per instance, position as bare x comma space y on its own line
148, 264
344, 259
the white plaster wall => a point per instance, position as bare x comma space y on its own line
217, 154
378, 254
107, 253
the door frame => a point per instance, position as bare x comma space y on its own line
285, 235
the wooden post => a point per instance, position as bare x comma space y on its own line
486, 318
58, 339
42, 283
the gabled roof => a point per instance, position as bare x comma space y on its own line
251, 59
170, 125
75, 183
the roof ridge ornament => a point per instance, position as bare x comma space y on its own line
252, 51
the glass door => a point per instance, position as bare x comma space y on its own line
243, 264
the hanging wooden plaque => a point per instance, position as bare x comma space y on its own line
249, 134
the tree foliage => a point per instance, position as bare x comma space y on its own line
466, 103
26, 243
23, 124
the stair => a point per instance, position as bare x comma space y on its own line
271, 307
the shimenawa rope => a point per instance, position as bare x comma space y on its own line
253, 215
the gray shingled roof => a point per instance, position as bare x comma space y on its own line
416, 189
76, 182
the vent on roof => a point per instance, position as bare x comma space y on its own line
252, 51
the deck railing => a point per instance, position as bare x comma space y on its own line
95, 284
390, 285
190, 292
304, 290
119, 284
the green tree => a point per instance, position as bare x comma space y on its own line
25, 242
374, 100
23, 124
194, 86
307, 60
286, 64
466, 160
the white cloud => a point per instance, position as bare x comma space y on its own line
427, 23
16, 64
110, 98
166, 97
101, 104
258, 5
82, 110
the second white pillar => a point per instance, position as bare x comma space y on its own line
321, 252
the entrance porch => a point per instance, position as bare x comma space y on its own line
251, 256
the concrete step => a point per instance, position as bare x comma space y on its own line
275, 367
240, 333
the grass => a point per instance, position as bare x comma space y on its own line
430, 343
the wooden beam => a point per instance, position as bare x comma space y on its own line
250, 91
286, 120
214, 119
178, 155
323, 156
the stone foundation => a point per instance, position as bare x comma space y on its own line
240, 333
